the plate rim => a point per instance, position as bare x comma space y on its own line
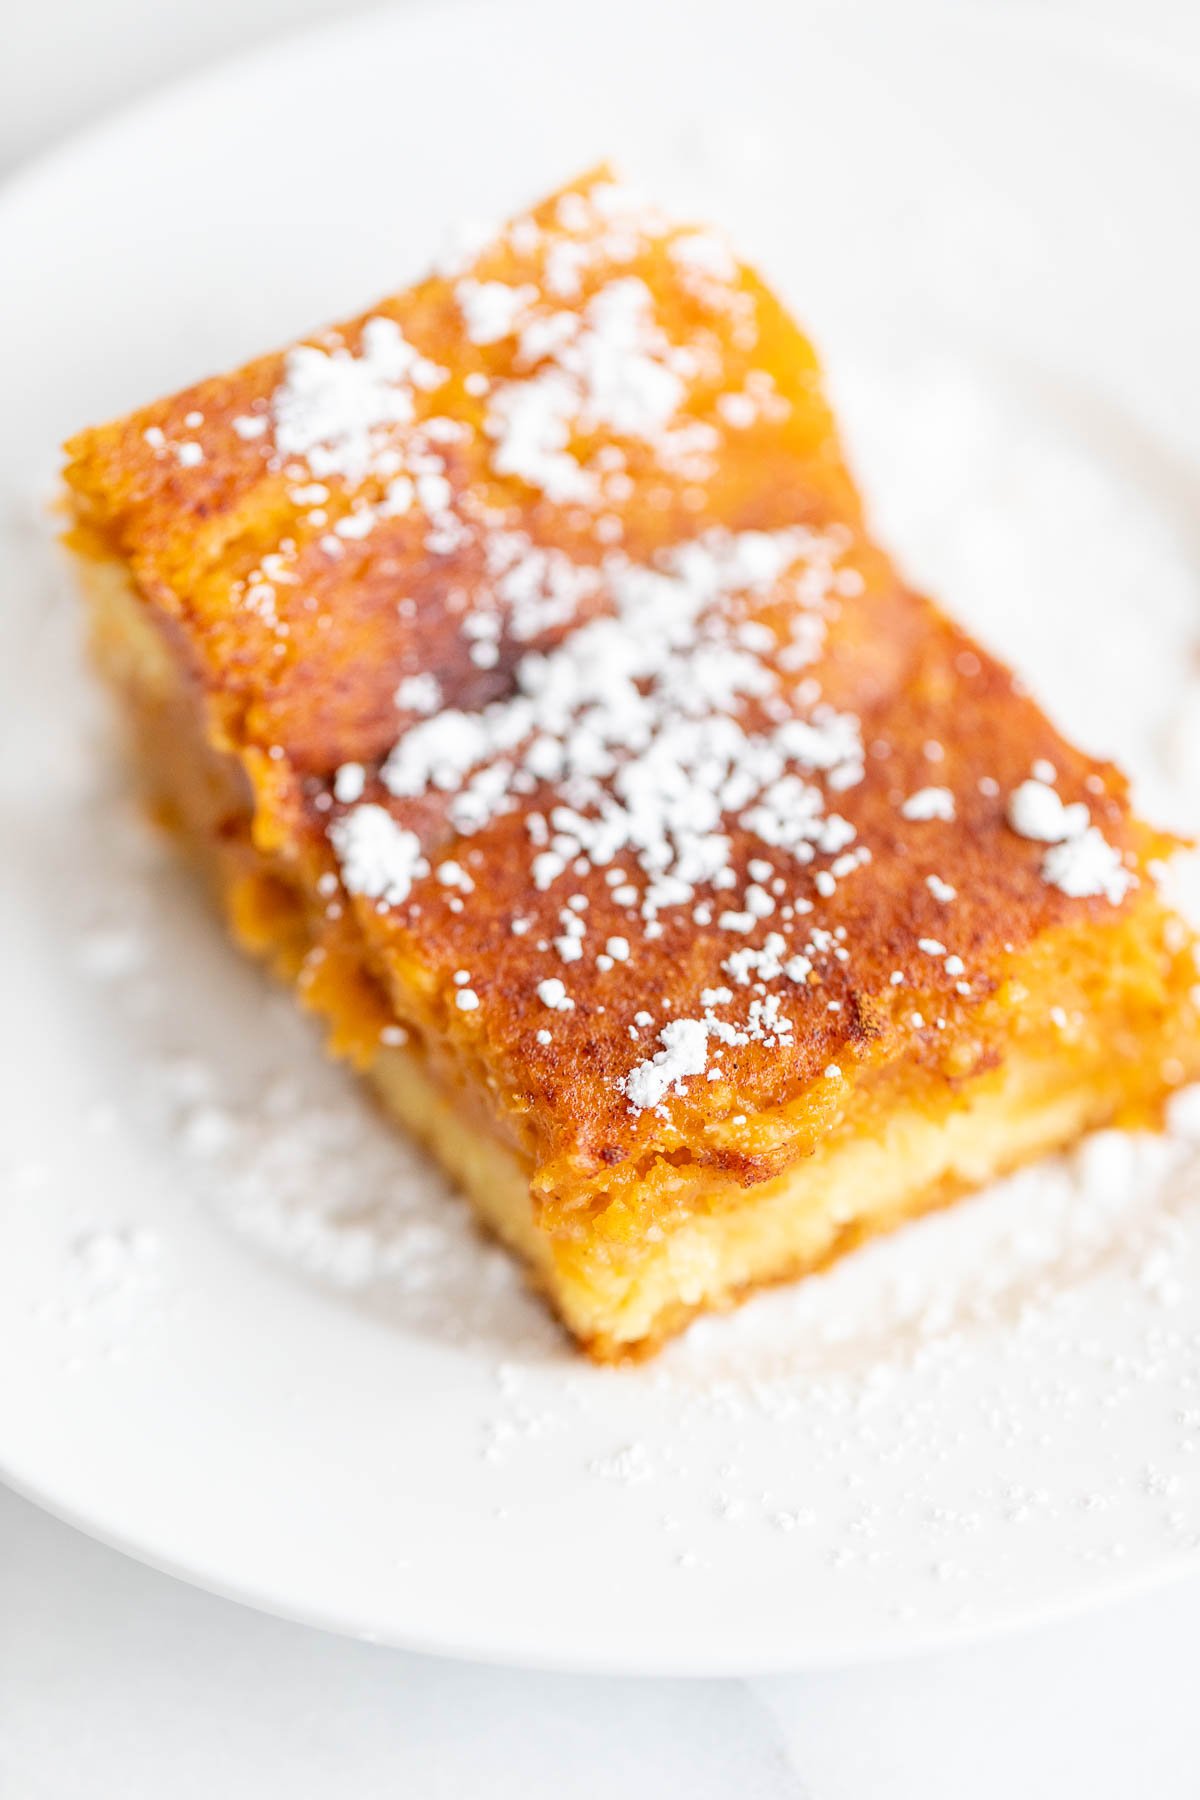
924, 1642
1101, 42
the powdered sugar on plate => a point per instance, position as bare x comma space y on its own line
946, 1366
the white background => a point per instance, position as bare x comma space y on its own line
119, 1684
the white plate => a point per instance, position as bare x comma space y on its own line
245, 1334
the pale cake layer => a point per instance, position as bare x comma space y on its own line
628, 1304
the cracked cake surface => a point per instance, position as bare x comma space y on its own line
519, 660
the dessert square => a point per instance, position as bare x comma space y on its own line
516, 660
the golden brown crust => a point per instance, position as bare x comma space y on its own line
298, 631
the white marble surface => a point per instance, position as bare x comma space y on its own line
116, 1681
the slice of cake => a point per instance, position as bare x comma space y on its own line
517, 661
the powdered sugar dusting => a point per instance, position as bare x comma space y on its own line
1087, 865
331, 403
1082, 864
684, 1052
608, 368
378, 857
929, 803
1036, 811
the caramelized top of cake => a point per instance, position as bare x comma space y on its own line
539, 605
